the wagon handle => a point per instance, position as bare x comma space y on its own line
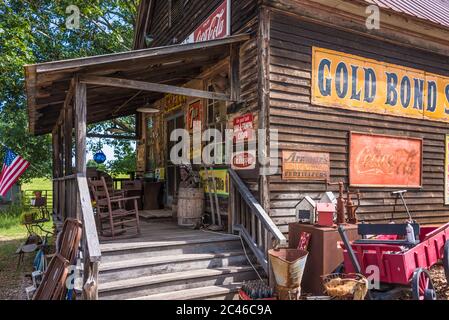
401, 195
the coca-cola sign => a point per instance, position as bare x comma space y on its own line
216, 26
245, 160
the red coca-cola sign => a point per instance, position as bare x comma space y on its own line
216, 26
245, 160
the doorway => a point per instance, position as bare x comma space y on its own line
173, 174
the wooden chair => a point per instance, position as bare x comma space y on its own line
53, 286
113, 218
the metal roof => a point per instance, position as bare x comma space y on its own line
436, 11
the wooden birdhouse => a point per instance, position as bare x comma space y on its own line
305, 210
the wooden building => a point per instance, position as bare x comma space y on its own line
319, 72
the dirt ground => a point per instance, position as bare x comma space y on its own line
13, 280
440, 283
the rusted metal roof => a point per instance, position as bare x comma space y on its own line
436, 11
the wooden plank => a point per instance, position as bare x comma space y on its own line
153, 87
81, 127
132, 56
90, 230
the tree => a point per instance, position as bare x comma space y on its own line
38, 31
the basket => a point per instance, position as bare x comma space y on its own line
345, 286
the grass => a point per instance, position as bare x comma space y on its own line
37, 184
12, 234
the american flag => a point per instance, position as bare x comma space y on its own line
13, 167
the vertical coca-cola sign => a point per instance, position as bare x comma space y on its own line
216, 26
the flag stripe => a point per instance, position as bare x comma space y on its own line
10, 182
13, 167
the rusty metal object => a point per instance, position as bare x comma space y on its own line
288, 268
351, 208
341, 218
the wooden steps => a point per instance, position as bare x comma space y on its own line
169, 260
228, 292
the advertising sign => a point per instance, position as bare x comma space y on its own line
347, 81
216, 26
244, 160
221, 177
244, 128
312, 166
385, 161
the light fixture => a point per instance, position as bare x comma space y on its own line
148, 110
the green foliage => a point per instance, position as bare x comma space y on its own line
12, 215
35, 31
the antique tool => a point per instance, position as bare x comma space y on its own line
400, 194
341, 219
351, 208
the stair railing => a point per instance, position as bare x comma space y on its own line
252, 222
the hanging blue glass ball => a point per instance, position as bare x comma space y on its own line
100, 157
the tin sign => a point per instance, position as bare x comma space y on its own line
311, 166
216, 26
245, 160
244, 128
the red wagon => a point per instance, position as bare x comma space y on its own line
398, 261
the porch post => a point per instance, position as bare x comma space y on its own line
80, 107
80, 127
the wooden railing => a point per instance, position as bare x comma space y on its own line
252, 222
72, 199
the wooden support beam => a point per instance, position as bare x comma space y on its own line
68, 138
110, 136
153, 87
81, 127
234, 65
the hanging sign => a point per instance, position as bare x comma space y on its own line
347, 81
216, 26
312, 166
385, 161
194, 113
446, 173
221, 177
244, 128
244, 160
173, 102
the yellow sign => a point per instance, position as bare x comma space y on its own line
352, 82
174, 102
221, 177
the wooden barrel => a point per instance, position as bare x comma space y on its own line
190, 206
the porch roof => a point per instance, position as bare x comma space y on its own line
47, 84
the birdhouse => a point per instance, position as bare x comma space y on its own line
328, 197
325, 212
305, 210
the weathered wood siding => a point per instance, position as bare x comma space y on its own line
303, 126
187, 17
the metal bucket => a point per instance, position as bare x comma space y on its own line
288, 268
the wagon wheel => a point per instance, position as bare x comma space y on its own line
422, 286
446, 260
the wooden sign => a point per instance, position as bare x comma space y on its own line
385, 161
298, 165
446, 173
194, 113
245, 160
347, 81
174, 102
244, 128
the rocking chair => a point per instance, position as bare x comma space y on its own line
113, 219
